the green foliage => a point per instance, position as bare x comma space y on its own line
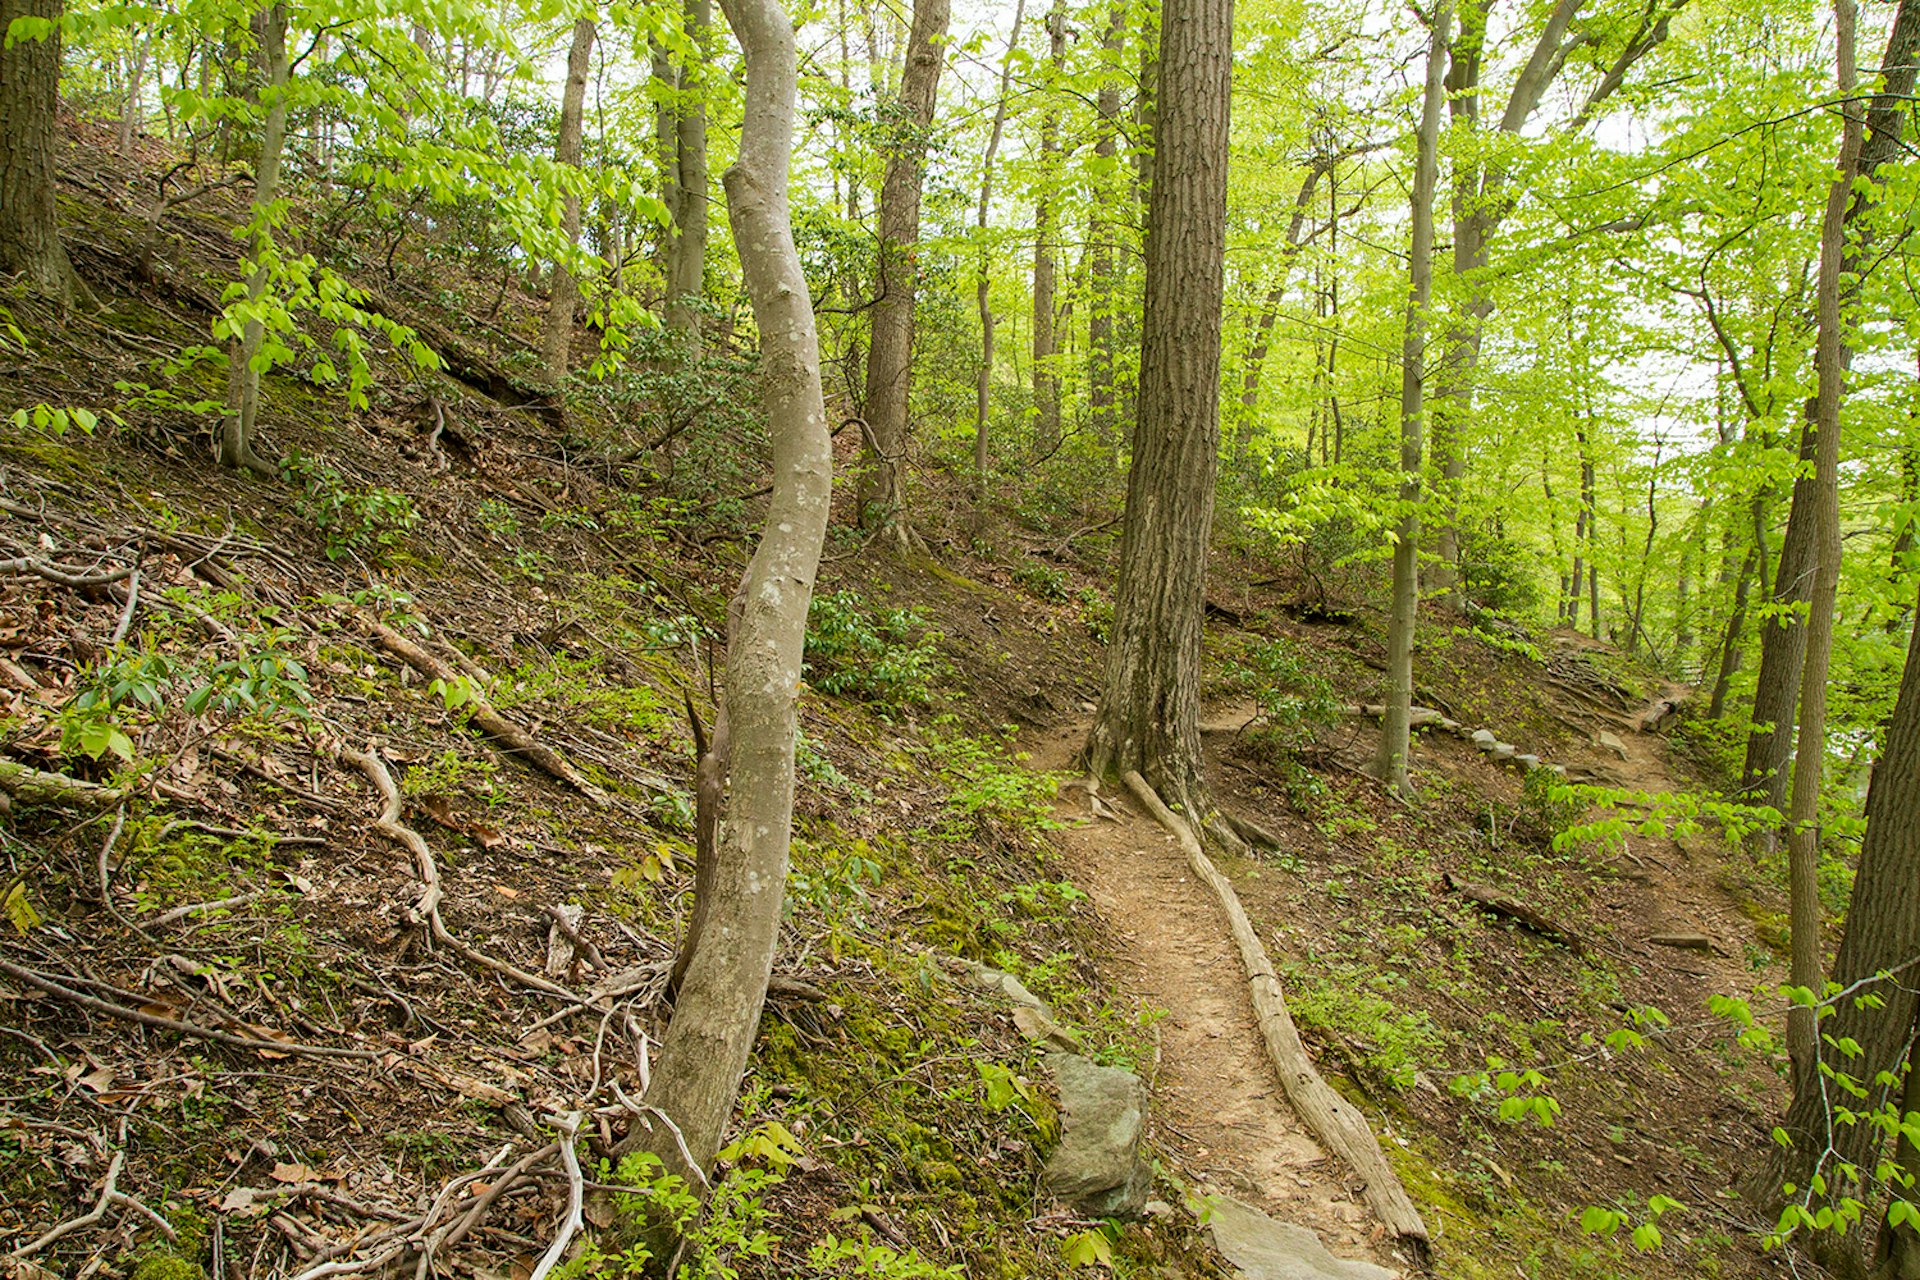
887, 656
371, 521
986, 781
56, 422
1397, 1043
1042, 579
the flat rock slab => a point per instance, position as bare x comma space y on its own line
1484, 739
1099, 1167
1683, 941
1610, 742
1264, 1249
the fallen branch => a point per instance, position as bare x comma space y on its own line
427, 909
510, 735
1331, 1118
34, 786
53, 987
64, 575
195, 908
1508, 907
107, 1191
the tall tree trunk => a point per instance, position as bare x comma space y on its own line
890, 359
1046, 377
563, 297
687, 245
1100, 266
1149, 714
1390, 761
128, 126
1261, 338
1736, 627
243, 379
1882, 937
1831, 358
29, 133
982, 281
705, 1051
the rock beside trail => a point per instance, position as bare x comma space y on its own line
1099, 1167
1484, 739
1264, 1249
1502, 752
1610, 742
1683, 941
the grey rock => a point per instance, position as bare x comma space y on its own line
1557, 770
1004, 983
1099, 1168
1527, 762
1683, 941
1264, 1249
1503, 752
1610, 742
1484, 739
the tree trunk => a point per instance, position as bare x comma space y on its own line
29, 132
1046, 378
1100, 250
889, 360
243, 379
705, 1051
1736, 627
1831, 358
563, 297
1390, 761
1882, 936
687, 243
983, 294
1149, 715
1261, 339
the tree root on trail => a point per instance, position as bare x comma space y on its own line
1332, 1120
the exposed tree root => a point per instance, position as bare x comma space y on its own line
1340, 1127
34, 786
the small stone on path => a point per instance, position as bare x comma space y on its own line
1610, 742
1264, 1249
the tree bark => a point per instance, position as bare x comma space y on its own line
1148, 719
983, 295
889, 359
1882, 935
29, 133
1262, 337
1101, 401
563, 297
687, 245
1046, 378
1390, 761
242, 413
705, 1051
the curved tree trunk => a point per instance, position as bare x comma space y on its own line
705, 1051
889, 360
243, 379
1390, 761
563, 298
1149, 715
29, 133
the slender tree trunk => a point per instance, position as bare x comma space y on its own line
1261, 339
687, 245
1831, 358
1736, 627
1046, 376
1390, 761
1100, 267
890, 359
1882, 937
128, 126
704, 1054
243, 379
29, 136
982, 282
1149, 714
563, 297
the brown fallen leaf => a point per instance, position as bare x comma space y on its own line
286, 1172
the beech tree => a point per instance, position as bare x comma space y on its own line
707, 1043
1148, 719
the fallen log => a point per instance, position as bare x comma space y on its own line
1508, 907
35, 786
1331, 1119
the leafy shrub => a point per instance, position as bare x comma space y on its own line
350, 520
1366, 1024
1498, 573
1097, 612
988, 781
1043, 580
1295, 701
888, 656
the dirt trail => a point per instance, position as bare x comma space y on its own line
1218, 1105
